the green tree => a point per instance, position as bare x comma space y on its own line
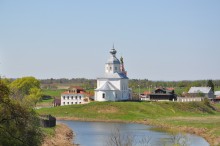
19, 124
34, 96
23, 85
26, 89
210, 84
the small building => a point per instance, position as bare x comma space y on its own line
201, 92
217, 93
74, 95
162, 94
217, 96
145, 96
56, 102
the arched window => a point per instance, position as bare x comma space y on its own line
103, 95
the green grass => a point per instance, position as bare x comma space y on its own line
53, 93
49, 131
130, 110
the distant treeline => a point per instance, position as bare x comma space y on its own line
133, 83
182, 84
54, 83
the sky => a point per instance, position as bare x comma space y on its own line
167, 40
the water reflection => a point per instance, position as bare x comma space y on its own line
100, 133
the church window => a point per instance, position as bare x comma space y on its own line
103, 95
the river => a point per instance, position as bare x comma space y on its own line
100, 133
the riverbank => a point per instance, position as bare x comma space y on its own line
62, 135
203, 132
196, 117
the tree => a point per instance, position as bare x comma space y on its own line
34, 96
23, 85
26, 89
19, 124
210, 84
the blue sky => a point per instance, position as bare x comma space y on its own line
159, 40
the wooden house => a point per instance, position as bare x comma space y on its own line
162, 94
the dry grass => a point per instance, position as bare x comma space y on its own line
63, 137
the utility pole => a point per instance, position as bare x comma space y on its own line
139, 92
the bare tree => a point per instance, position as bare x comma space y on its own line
118, 139
177, 140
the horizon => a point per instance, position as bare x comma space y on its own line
129, 79
159, 40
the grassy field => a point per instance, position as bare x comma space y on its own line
53, 93
129, 111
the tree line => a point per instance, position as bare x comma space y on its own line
133, 83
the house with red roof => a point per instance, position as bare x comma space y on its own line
74, 95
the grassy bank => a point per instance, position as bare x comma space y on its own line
194, 117
58, 136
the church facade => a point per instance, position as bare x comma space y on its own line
113, 86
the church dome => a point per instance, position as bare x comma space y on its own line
113, 51
113, 59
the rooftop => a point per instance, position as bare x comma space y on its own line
199, 90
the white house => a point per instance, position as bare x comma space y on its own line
217, 93
113, 86
206, 91
74, 95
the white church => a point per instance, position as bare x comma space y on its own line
113, 86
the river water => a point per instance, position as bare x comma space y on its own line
100, 133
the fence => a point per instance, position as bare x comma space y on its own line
188, 99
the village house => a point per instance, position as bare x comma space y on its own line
163, 94
217, 96
201, 92
56, 102
74, 95
113, 86
145, 96
217, 93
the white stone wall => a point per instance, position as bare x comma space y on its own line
188, 99
69, 99
109, 96
116, 83
112, 68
